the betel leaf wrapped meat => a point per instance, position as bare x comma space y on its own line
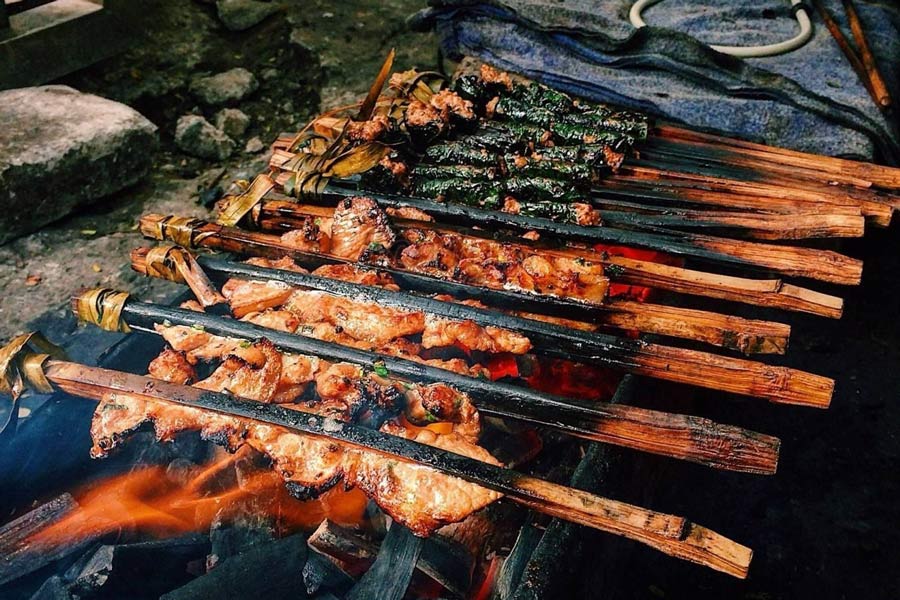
459, 153
473, 173
540, 188
485, 194
579, 174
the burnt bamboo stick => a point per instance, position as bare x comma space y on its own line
749, 166
677, 436
822, 168
277, 215
756, 225
670, 534
777, 384
744, 335
824, 265
771, 195
771, 293
676, 192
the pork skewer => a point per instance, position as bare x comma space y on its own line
283, 216
679, 436
774, 383
748, 336
670, 534
777, 384
823, 265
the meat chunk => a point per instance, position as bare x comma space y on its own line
498, 265
254, 296
439, 402
405, 490
360, 224
172, 366
440, 332
448, 103
367, 131
414, 495
355, 274
362, 321
311, 236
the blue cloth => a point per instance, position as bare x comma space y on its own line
809, 99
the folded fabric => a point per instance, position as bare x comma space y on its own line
809, 99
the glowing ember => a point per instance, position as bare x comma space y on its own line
154, 501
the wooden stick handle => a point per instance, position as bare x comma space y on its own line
877, 85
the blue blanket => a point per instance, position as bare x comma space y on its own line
809, 99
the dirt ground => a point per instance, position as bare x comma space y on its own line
826, 526
326, 55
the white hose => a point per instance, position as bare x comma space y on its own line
795, 42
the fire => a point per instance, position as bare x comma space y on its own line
150, 502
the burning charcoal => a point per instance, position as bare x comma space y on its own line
320, 572
22, 555
54, 589
514, 566
271, 571
393, 569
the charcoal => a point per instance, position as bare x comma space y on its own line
21, 557
272, 571
444, 561
320, 573
160, 565
390, 574
54, 589
514, 566
231, 541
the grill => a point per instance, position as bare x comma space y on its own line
692, 225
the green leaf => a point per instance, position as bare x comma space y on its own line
381, 369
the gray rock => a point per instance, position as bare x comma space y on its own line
233, 122
196, 136
230, 86
254, 145
238, 15
61, 149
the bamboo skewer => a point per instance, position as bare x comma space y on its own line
876, 82
282, 216
761, 226
670, 534
810, 263
773, 194
821, 168
678, 436
774, 383
735, 333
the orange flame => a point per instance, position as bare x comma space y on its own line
151, 502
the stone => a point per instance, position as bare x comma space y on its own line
233, 122
196, 136
254, 145
224, 88
239, 15
61, 150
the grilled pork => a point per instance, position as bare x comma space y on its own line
416, 496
